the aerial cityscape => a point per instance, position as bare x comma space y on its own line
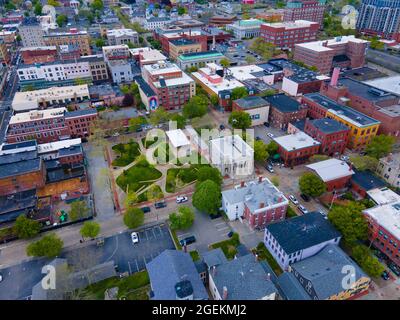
200, 150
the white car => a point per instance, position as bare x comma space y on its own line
135, 237
293, 199
302, 209
181, 199
344, 158
269, 134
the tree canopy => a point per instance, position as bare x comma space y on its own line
209, 173
380, 146
61, 20
79, 210
207, 197
158, 116
265, 49
26, 228
311, 185
49, 246
182, 219
179, 119
90, 229
367, 261
238, 93
197, 106
260, 151
319, 157
240, 120
224, 62
133, 218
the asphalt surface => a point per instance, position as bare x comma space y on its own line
19, 279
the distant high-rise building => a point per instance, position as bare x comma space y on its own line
311, 10
379, 17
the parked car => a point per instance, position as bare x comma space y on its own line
115, 134
258, 138
385, 275
187, 240
221, 127
266, 124
395, 269
305, 197
135, 237
159, 205
230, 234
145, 209
269, 134
302, 209
293, 199
344, 158
181, 199
270, 168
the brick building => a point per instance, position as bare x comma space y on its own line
311, 10
32, 55
222, 20
296, 148
363, 181
183, 46
284, 109
345, 51
285, 35
196, 36
332, 135
81, 39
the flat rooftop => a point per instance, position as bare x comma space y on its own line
388, 84
297, 141
283, 103
387, 216
231, 147
226, 84
37, 115
245, 72
297, 24
318, 45
346, 113
177, 138
200, 55
183, 79
161, 67
383, 195
183, 42
363, 74
328, 125
57, 145
251, 102
331, 169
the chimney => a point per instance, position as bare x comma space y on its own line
256, 257
225, 293
242, 184
260, 179
335, 77
268, 276
262, 204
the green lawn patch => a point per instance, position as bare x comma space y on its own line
264, 254
176, 240
127, 153
290, 213
153, 193
195, 255
229, 247
138, 176
148, 143
134, 287
177, 178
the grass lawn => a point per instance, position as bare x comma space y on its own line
148, 143
229, 247
176, 240
134, 287
264, 254
195, 255
179, 177
290, 212
162, 154
153, 193
138, 176
127, 153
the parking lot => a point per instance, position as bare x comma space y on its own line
206, 231
261, 131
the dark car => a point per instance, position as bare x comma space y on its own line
305, 197
187, 240
395, 269
230, 234
215, 215
159, 205
145, 209
266, 124
385, 275
221, 127
258, 138
139, 130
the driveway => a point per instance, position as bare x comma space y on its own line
206, 230
19, 279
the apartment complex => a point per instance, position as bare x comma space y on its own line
379, 18
345, 51
78, 38
311, 10
285, 35
31, 33
117, 59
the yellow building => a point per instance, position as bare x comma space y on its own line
362, 127
73, 37
183, 46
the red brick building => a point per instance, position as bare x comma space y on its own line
311, 10
373, 102
222, 20
38, 55
296, 148
196, 36
284, 110
336, 174
285, 35
50, 125
332, 135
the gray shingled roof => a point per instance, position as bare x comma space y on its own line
214, 257
244, 278
324, 270
251, 102
291, 288
303, 232
169, 268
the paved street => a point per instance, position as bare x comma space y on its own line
19, 279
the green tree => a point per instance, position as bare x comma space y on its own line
26, 228
239, 93
49, 246
182, 10
260, 151
250, 59
207, 197
97, 5
53, 3
311, 185
135, 123
225, 63
240, 120
197, 106
100, 43
179, 119
380, 146
272, 148
61, 20
362, 255
90, 229
158, 116
364, 162
182, 219
319, 157
214, 100
209, 173
133, 218
265, 49
79, 210
350, 221
275, 181
38, 9
130, 199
